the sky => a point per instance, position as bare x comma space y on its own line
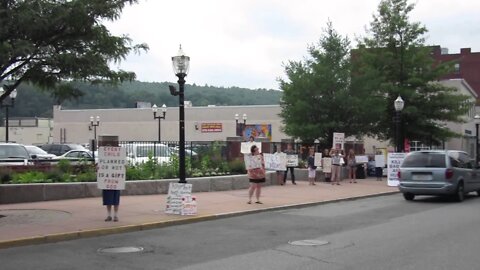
245, 43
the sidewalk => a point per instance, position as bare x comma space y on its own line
52, 221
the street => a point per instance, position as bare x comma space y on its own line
383, 232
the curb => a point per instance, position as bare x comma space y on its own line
52, 238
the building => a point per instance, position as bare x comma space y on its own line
26, 130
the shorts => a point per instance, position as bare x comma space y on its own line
257, 181
111, 197
311, 173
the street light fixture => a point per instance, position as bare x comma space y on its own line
238, 126
94, 123
6, 105
398, 104
477, 154
181, 64
159, 117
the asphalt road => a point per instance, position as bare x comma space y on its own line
376, 233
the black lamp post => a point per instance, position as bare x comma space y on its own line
5, 104
398, 104
181, 64
477, 154
159, 117
94, 123
238, 127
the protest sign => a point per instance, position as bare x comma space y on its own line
252, 162
394, 162
327, 165
246, 146
111, 171
292, 160
275, 162
318, 160
177, 192
380, 161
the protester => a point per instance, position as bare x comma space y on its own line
279, 174
111, 197
352, 166
256, 177
326, 154
289, 151
336, 165
311, 167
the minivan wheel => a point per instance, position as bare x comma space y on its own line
460, 194
408, 196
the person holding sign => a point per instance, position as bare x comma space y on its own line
352, 166
312, 169
290, 166
336, 165
256, 175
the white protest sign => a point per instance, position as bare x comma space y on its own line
380, 161
318, 160
327, 165
246, 146
177, 191
394, 162
338, 140
189, 206
111, 172
292, 160
275, 162
252, 162
361, 159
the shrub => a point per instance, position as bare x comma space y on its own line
237, 166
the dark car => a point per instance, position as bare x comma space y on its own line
60, 149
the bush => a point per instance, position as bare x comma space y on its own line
237, 166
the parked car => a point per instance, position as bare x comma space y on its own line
77, 156
36, 152
139, 153
60, 149
13, 154
449, 172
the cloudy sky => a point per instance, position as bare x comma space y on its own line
244, 43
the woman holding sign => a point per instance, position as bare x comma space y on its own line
352, 166
256, 174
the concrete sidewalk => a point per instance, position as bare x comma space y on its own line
52, 221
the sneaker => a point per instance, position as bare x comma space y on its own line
109, 218
115, 219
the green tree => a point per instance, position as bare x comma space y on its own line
317, 97
47, 42
393, 61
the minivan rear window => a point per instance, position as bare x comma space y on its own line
424, 159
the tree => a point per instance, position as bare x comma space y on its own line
49, 42
318, 99
394, 61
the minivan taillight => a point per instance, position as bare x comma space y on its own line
448, 173
399, 175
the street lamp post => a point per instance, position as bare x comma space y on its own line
159, 117
7, 105
238, 127
398, 104
181, 64
94, 123
477, 154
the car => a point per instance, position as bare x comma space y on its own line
13, 154
138, 153
38, 153
78, 156
59, 149
438, 172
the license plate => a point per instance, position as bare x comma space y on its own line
422, 177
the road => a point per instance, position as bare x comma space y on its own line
376, 233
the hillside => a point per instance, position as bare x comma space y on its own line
32, 101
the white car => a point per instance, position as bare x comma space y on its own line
138, 153
13, 154
77, 156
36, 152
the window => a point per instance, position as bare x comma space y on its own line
457, 68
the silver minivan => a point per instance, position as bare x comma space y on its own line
435, 172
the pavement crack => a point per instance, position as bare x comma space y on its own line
302, 256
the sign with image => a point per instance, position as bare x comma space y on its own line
318, 160
177, 194
111, 172
275, 162
246, 146
394, 162
338, 140
292, 160
252, 162
361, 159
